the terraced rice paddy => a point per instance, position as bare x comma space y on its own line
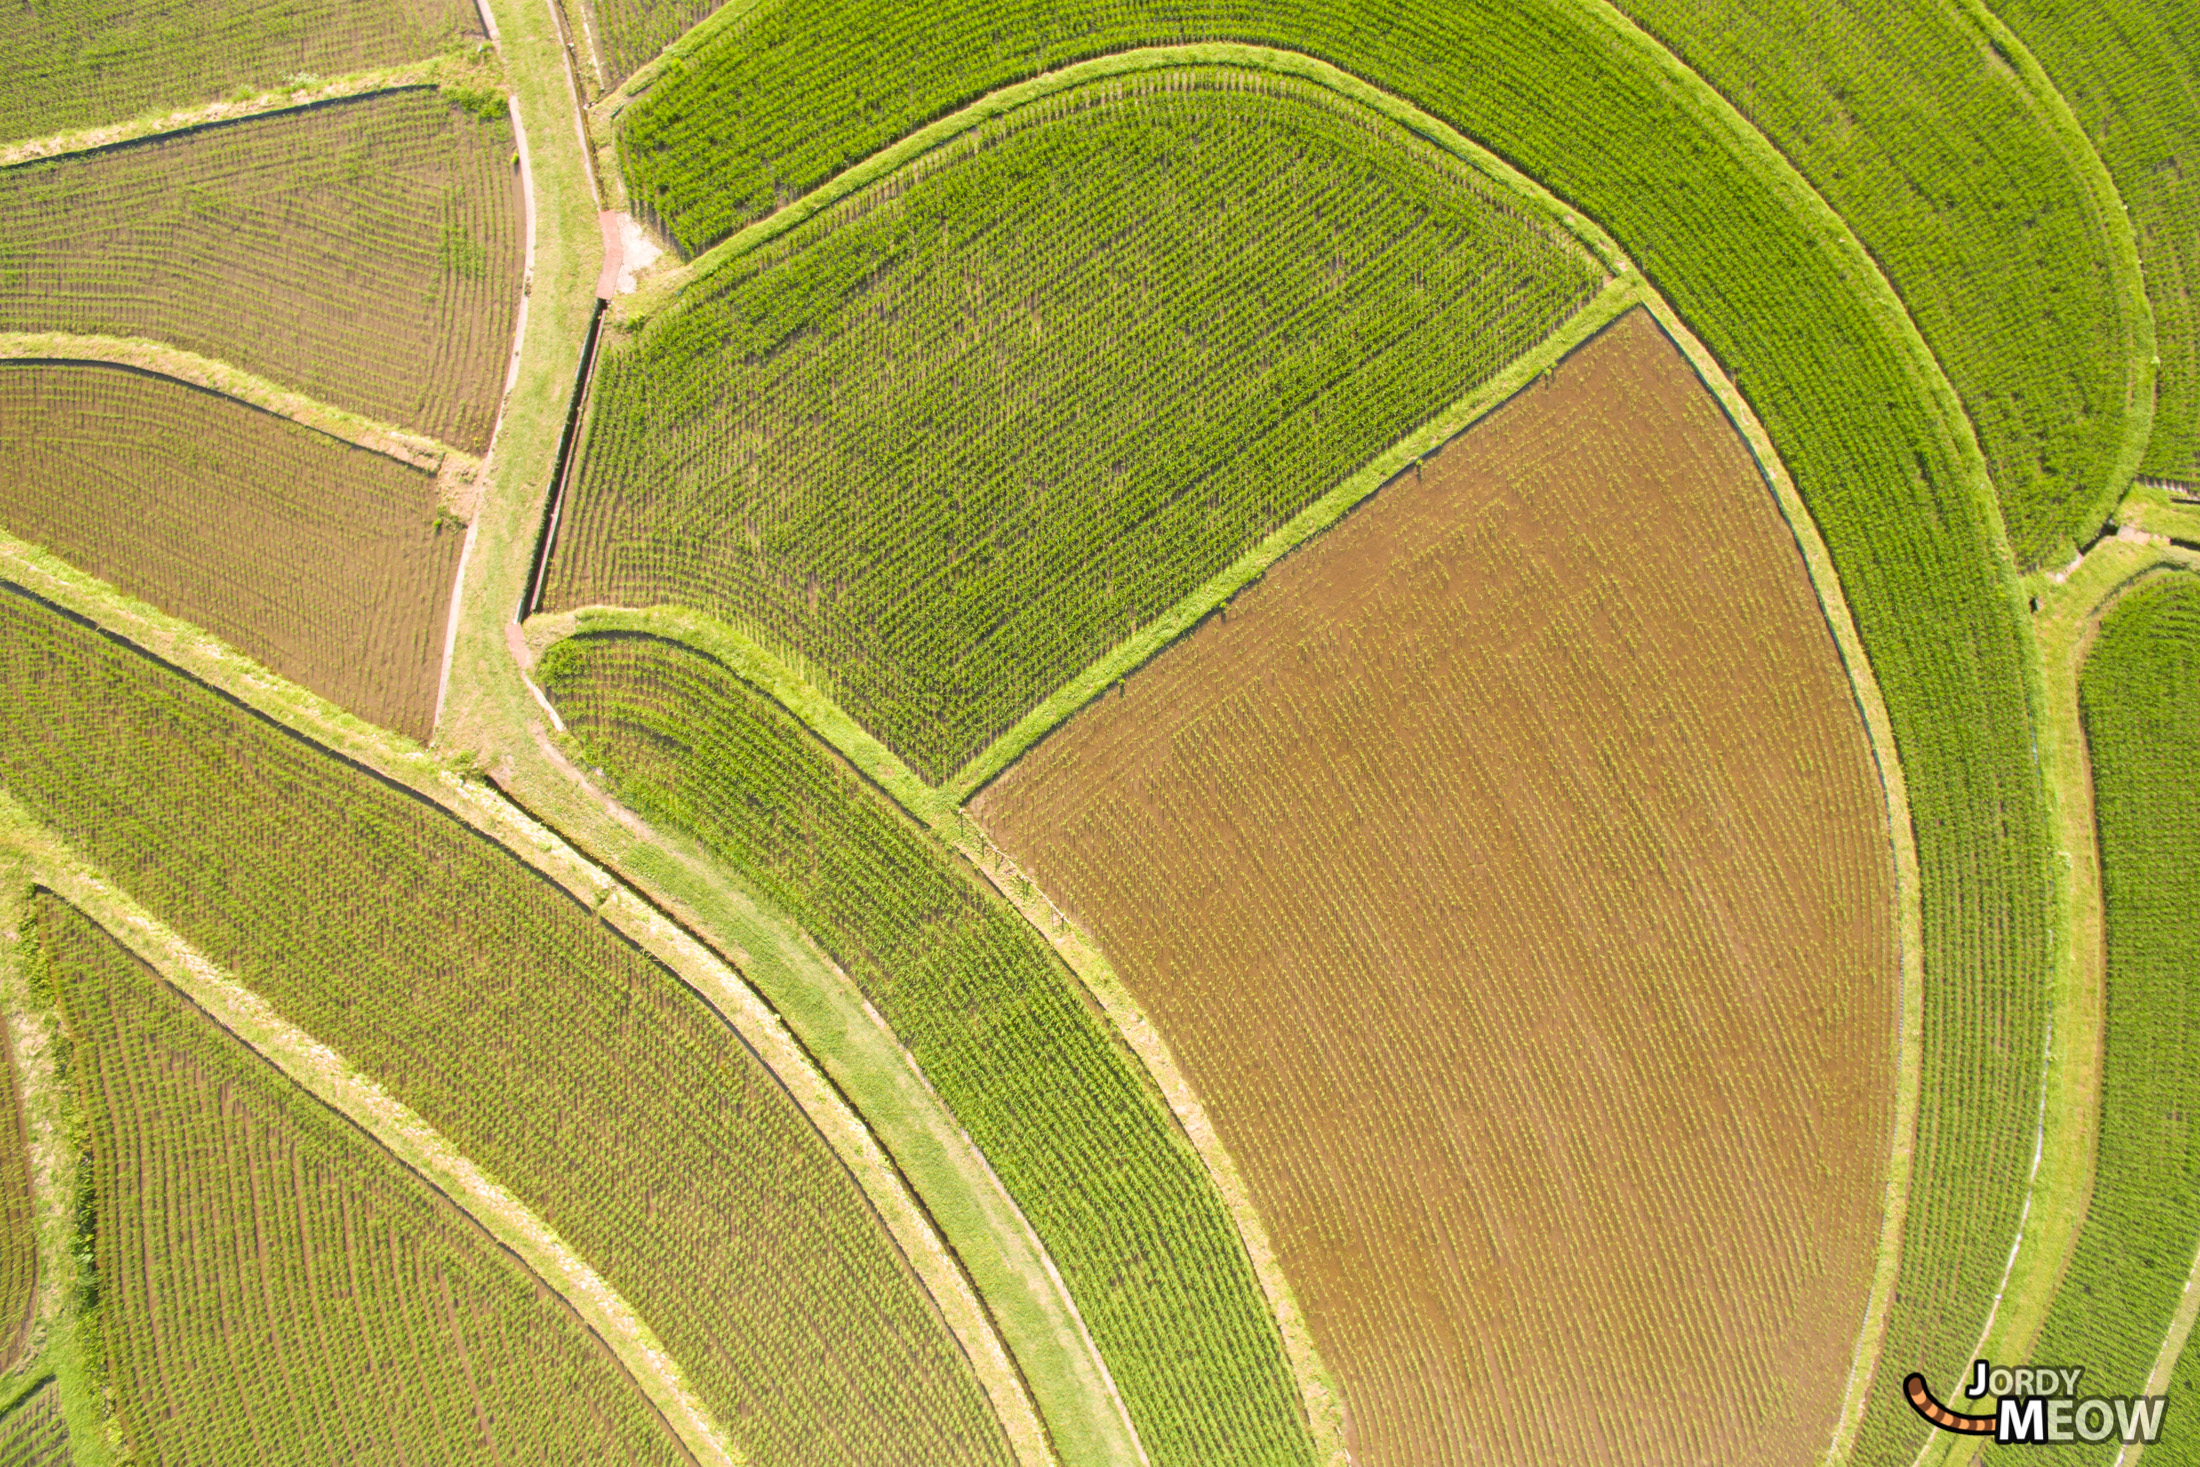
1509, 873
73, 63
275, 1288
787, 98
630, 33
2142, 1229
1001, 1030
581, 1075
323, 561
2131, 72
879, 441
1920, 133
33, 1433
367, 253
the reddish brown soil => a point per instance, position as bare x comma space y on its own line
1509, 872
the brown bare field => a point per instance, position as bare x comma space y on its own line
319, 559
1509, 872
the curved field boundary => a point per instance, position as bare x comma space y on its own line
2069, 616
457, 473
940, 808
324, 1074
1515, 186
2112, 222
209, 114
479, 806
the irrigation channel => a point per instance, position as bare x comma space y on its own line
546, 536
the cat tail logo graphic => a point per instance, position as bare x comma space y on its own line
2039, 1406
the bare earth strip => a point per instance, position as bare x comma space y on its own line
323, 1074
486, 811
457, 474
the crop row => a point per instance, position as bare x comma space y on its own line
1923, 138
630, 33
33, 1433
2131, 72
18, 1225
74, 63
367, 253
318, 559
272, 1287
576, 1072
957, 438
791, 95
1059, 1107
2142, 1228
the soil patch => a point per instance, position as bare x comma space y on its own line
1509, 872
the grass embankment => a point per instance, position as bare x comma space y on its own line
1960, 169
872, 438
2135, 1252
363, 1317
2131, 73
602, 1092
1876, 442
75, 63
367, 253
1060, 1108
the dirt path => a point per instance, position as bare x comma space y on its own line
325, 1075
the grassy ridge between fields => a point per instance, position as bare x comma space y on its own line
612, 1099
1766, 275
873, 438
2135, 1253
1061, 1109
1938, 141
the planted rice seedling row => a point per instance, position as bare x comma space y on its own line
956, 438
785, 99
325, 562
575, 1071
367, 253
1057, 1104
270, 1286
74, 63
2142, 1227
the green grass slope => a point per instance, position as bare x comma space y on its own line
74, 63
792, 94
1919, 132
952, 440
581, 1075
2131, 72
367, 253
2142, 726
273, 1287
1001, 1028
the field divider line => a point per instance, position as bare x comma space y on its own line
1619, 294
44, 1102
457, 472
715, 980
1515, 187
324, 1074
2174, 1342
271, 102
